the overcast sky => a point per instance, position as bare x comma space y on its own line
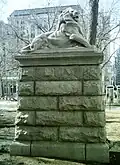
9, 6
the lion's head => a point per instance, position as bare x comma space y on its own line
70, 14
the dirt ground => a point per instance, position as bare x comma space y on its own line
6, 159
113, 123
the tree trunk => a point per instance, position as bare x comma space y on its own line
94, 4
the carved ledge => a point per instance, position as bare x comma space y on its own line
67, 56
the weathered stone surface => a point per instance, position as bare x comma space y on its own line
26, 88
92, 72
7, 133
61, 57
92, 88
97, 152
59, 73
60, 125
5, 145
20, 148
81, 103
58, 88
53, 118
28, 73
71, 151
36, 133
38, 103
94, 118
7, 118
82, 134
25, 118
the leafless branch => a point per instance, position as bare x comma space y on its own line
109, 58
111, 40
111, 30
18, 36
53, 22
105, 21
36, 23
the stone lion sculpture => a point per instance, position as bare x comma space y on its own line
67, 34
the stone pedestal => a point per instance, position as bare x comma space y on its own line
61, 111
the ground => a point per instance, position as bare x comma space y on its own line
113, 123
6, 159
8, 104
113, 134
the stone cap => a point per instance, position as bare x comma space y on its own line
67, 56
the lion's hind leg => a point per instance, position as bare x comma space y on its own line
79, 38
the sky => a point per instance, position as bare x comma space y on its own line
8, 6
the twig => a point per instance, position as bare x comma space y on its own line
109, 59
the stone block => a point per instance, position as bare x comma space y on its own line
25, 118
81, 103
28, 73
7, 118
20, 148
97, 152
59, 73
70, 151
36, 133
58, 88
38, 103
26, 88
54, 118
82, 134
7, 133
92, 88
92, 72
95, 119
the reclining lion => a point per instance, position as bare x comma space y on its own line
67, 34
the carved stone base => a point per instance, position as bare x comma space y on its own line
61, 112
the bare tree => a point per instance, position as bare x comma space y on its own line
93, 21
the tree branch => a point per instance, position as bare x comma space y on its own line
109, 58
111, 30
18, 36
111, 41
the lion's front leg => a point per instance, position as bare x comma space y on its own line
79, 38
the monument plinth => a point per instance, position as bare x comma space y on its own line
61, 110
